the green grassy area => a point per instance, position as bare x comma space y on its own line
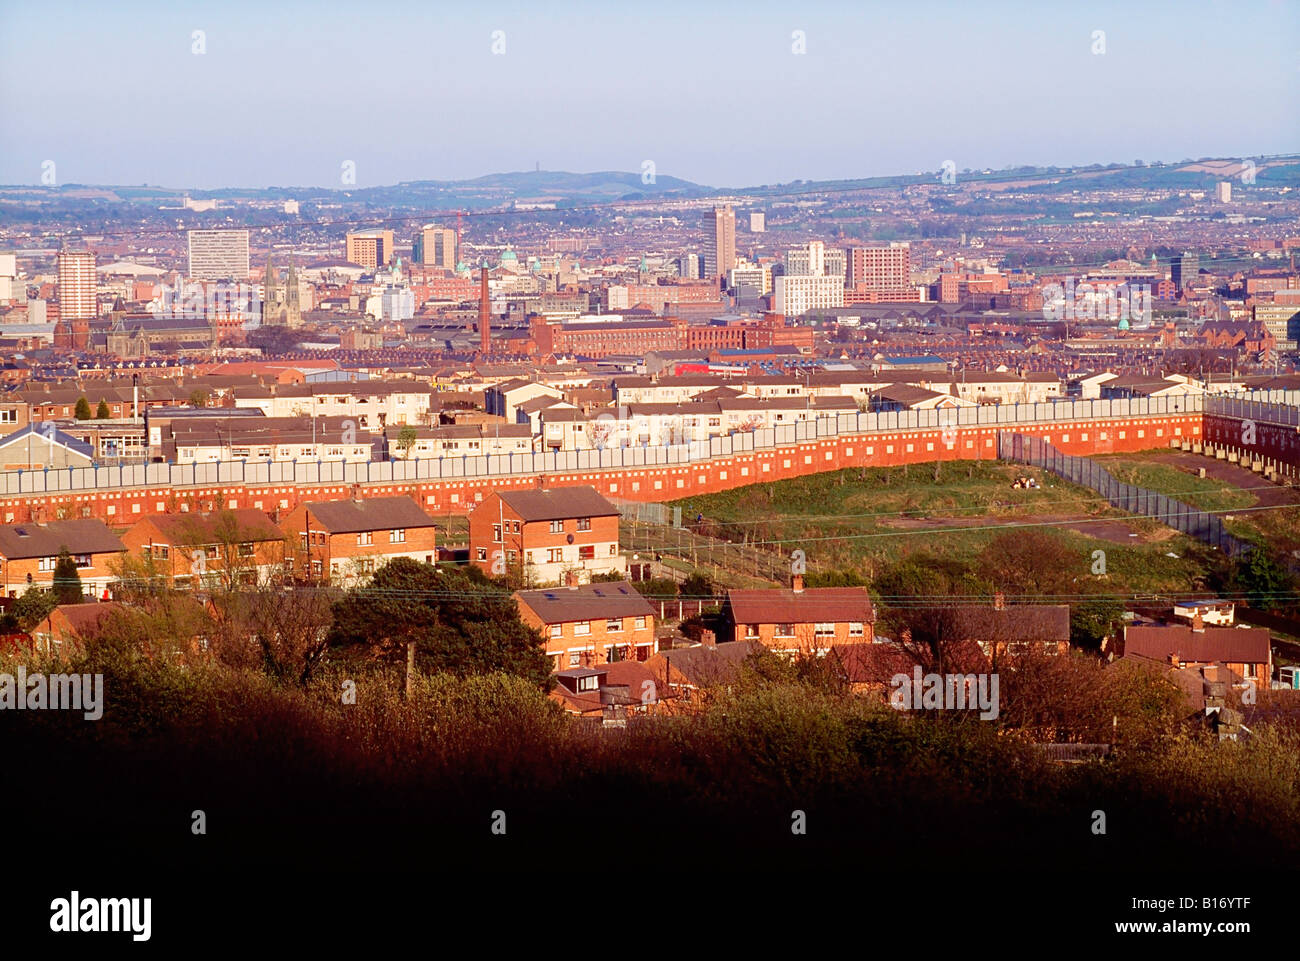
1204, 493
858, 520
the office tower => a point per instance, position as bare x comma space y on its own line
218, 255
800, 293
757, 222
1223, 191
814, 259
370, 248
745, 274
720, 244
77, 285
880, 268
689, 266
436, 247
1184, 269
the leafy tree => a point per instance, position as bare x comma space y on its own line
1262, 580
447, 621
697, 584
32, 607
926, 602
102, 412
199, 398
82, 411
406, 439
1093, 619
67, 582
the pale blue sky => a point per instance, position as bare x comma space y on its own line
710, 91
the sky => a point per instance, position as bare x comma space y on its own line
278, 93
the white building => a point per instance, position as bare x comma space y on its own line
799, 294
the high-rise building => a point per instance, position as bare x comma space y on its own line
1223, 191
218, 255
813, 259
77, 285
757, 222
798, 294
745, 274
370, 248
884, 270
720, 244
1185, 268
688, 267
436, 247
8, 276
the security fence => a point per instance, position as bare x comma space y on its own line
1127, 497
262, 473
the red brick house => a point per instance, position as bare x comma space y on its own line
1246, 651
228, 549
560, 534
799, 620
592, 624
346, 541
28, 553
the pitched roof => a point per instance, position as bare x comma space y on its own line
589, 602
81, 536
1238, 645
809, 606
558, 503
249, 524
370, 514
1015, 623
704, 665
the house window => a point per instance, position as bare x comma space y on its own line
613, 549
246, 550
557, 630
751, 631
856, 629
514, 527
587, 683
365, 539
640, 623
614, 624
496, 533
584, 523
582, 627
575, 658
824, 629
397, 537
482, 553
554, 555
587, 552
557, 527
785, 630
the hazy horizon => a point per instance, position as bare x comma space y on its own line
285, 95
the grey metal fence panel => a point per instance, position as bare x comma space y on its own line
1134, 500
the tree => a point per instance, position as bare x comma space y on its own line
198, 398
102, 412
223, 551
288, 631
406, 439
82, 411
449, 621
697, 585
67, 582
928, 609
32, 607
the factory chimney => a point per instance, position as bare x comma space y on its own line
484, 307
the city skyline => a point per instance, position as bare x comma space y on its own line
461, 88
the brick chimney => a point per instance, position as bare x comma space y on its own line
708, 638
796, 583
540, 482
484, 312
355, 492
1198, 623
999, 601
